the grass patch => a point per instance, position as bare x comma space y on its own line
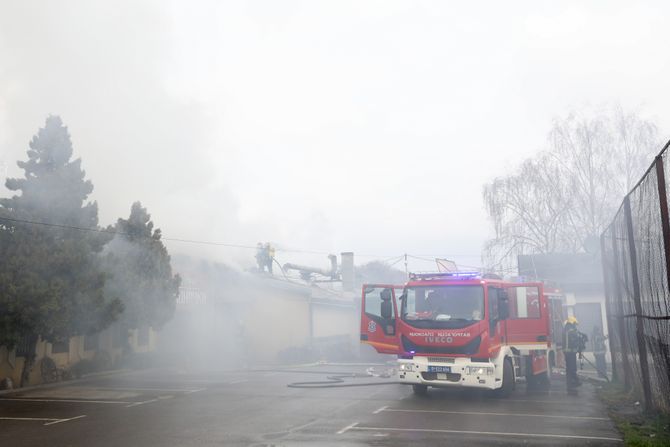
639, 429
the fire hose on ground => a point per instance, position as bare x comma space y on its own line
581, 364
336, 379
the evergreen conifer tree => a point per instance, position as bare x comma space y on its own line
140, 271
51, 283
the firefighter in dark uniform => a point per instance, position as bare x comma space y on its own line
574, 343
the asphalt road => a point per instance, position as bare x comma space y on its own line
181, 408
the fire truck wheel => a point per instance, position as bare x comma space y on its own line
508, 380
420, 390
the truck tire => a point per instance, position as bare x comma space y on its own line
508, 384
420, 390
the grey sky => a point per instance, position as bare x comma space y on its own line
344, 125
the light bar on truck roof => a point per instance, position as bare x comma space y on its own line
445, 275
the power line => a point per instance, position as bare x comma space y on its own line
400, 258
172, 239
393, 260
102, 230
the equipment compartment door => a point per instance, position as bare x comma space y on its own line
378, 318
528, 316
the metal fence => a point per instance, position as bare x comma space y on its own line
636, 269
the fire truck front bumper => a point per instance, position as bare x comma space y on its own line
448, 372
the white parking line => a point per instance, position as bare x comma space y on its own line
489, 433
137, 404
78, 401
27, 419
567, 402
179, 382
379, 410
49, 421
237, 381
196, 391
151, 389
475, 413
65, 420
305, 425
347, 428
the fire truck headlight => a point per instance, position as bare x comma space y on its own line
407, 367
479, 371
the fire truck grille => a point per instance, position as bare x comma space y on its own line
441, 359
467, 349
451, 377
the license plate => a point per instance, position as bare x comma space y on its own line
440, 369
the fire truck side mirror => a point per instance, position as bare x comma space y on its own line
503, 305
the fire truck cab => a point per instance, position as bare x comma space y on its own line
460, 329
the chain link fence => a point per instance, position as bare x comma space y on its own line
636, 269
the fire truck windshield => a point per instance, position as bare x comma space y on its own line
450, 306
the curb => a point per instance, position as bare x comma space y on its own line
83, 378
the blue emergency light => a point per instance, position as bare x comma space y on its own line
445, 275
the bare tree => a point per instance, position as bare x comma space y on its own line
528, 209
637, 140
563, 197
583, 149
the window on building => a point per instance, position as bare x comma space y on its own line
23, 347
60, 347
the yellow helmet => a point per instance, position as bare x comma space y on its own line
571, 320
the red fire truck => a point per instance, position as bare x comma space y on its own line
461, 329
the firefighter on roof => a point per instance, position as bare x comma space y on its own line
261, 257
269, 256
